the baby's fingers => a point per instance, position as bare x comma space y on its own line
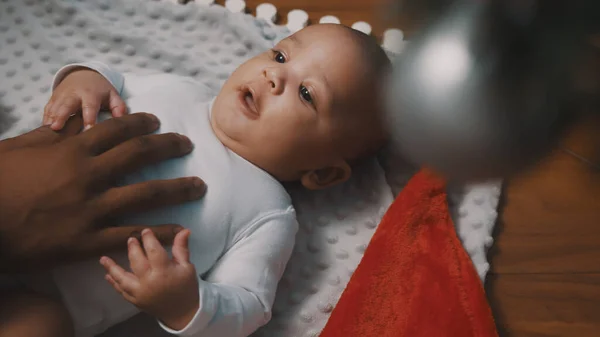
137, 259
116, 104
61, 110
180, 250
157, 255
128, 297
47, 112
90, 106
126, 280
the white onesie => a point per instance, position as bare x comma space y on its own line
243, 230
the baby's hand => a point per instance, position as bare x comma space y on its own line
85, 91
163, 287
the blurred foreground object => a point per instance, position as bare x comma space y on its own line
487, 87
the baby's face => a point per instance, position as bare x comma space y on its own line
286, 109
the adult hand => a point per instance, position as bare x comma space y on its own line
58, 191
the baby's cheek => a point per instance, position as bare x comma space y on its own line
248, 71
286, 125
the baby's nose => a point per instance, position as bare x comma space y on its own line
274, 80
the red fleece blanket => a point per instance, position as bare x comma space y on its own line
415, 279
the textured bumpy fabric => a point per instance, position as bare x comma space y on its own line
37, 37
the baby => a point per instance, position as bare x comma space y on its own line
305, 111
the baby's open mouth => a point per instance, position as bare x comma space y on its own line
250, 102
250, 106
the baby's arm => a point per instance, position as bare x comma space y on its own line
85, 88
237, 296
164, 287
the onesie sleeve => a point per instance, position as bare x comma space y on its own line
129, 84
114, 77
237, 295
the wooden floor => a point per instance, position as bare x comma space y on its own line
545, 276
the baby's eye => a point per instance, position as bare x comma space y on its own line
305, 94
279, 57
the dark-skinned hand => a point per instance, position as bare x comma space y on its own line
59, 194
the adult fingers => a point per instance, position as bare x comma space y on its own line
180, 250
115, 131
140, 152
137, 259
157, 255
116, 104
148, 195
126, 280
43, 135
115, 238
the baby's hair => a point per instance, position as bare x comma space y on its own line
376, 68
376, 56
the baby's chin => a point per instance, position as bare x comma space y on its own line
229, 124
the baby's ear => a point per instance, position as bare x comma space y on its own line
326, 177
